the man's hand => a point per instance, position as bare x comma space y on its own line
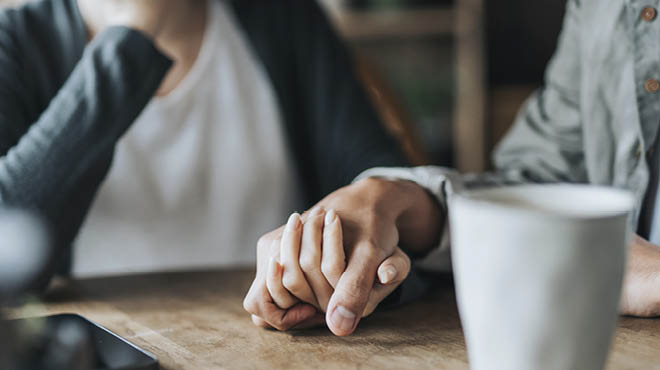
641, 293
377, 216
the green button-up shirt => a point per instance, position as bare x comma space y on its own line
596, 115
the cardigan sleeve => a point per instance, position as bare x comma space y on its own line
54, 165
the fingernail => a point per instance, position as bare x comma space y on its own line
330, 216
293, 223
387, 274
343, 319
316, 211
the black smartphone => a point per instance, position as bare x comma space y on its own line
70, 341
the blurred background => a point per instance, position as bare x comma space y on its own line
449, 76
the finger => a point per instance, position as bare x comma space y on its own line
282, 298
310, 258
258, 321
268, 246
381, 291
377, 295
315, 321
395, 268
259, 303
286, 319
293, 278
333, 260
298, 317
350, 297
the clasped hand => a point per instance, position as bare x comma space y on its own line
320, 267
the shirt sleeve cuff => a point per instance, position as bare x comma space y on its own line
440, 182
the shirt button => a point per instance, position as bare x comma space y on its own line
649, 14
652, 85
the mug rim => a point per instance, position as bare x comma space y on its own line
509, 198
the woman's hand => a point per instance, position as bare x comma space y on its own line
303, 269
265, 311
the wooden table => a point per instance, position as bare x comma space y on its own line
196, 321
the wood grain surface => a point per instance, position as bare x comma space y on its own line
196, 321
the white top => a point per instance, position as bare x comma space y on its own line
200, 175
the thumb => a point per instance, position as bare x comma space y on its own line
400, 262
352, 292
394, 269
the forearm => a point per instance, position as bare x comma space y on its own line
55, 167
115, 79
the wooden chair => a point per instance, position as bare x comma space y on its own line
395, 117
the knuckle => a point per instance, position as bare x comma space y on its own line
269, 240
264, 242
368, 250
251, 305
293, 283
308, 263
331, 269
371, 183
258, 321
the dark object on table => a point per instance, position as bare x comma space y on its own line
61, 342
71, 342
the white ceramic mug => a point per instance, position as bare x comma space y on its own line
538, 272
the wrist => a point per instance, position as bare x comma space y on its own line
421, 219
415, 212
